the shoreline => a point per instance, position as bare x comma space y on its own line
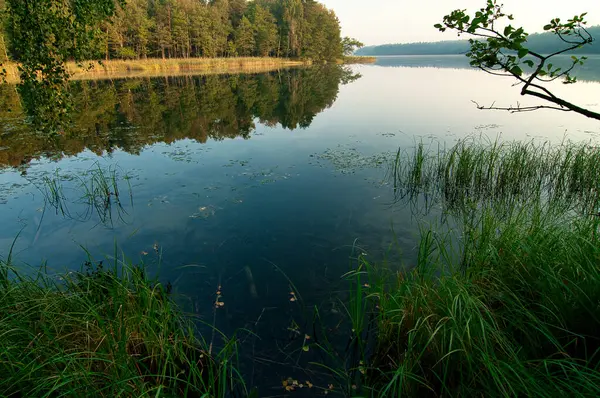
155, 67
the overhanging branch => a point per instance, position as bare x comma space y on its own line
519, 108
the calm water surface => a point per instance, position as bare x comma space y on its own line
253, 181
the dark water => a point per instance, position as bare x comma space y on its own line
261, 184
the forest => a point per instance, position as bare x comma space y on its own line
544, 43
212, 28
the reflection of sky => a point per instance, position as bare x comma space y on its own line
280, 197
427, 101
387, 108
186, 190
589, 71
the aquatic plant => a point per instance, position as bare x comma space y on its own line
476, 172
99, 190
504, 299
104, 331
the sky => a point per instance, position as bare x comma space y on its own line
403, 21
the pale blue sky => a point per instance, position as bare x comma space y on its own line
399, 21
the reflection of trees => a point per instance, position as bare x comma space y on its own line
130, 114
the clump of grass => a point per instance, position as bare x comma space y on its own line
99, 190
102, 332
102, 195
502, 303
504, 174
54, 194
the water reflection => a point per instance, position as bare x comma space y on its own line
590, 71
252, 216
130, 114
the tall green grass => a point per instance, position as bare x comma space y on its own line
523, 318
506, 301
505, 174
103, 332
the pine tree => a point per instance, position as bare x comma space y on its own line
265, 30
3, 44
163, 35
293, 16
180, 31
220, 26
139, 25
237, 9
214, 28
244, 38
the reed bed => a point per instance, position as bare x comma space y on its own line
356, 59
501, 173
152, 67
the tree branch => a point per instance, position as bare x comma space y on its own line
565, 104
519, 108
503, 53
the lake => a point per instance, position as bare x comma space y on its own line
262, 184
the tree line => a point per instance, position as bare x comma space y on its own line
213, 28
544, 43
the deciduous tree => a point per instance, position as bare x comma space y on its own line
499, 48
44, 34
350, 45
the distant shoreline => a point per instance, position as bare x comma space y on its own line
566, 55
154, 67
542, 43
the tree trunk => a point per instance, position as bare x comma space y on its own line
4, 47
107, 45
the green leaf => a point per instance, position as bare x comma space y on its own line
523, 52
516, 70
529, 63
547, 27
